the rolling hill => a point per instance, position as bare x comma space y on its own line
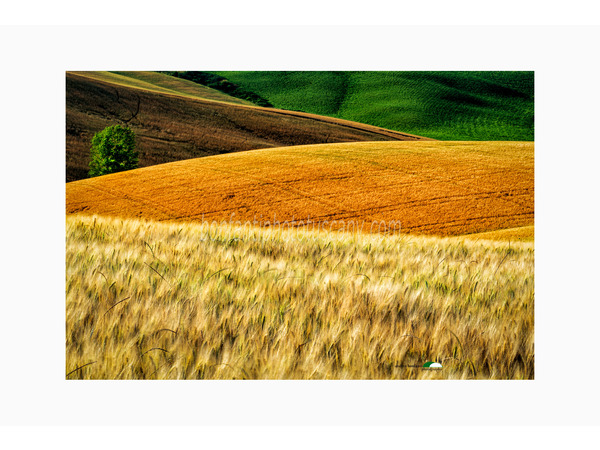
176, 119
430, 187
161, 83
441, 105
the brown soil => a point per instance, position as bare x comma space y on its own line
174, 128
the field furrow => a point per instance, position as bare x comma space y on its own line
440, 188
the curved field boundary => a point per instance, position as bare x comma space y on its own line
214, 98
159, 83
524, 234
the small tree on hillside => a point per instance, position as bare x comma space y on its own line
113, 150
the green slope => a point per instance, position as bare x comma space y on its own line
440, 105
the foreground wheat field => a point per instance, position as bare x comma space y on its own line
152, 300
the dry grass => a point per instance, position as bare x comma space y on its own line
148, 300
434, 188
525, 234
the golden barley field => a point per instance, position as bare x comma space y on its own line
175, 300
429, 187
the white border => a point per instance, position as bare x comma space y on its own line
241, 13
33, 389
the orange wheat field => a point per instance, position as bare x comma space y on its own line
429, 187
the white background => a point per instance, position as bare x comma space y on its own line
33, 389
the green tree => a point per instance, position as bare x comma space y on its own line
113, 150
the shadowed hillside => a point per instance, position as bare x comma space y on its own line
173, 127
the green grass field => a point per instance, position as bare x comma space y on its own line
439, 105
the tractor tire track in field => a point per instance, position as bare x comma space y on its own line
471, 193
429, 201
153, 205
444, 179
301, 194
282, 186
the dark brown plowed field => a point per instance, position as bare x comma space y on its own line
173, 128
